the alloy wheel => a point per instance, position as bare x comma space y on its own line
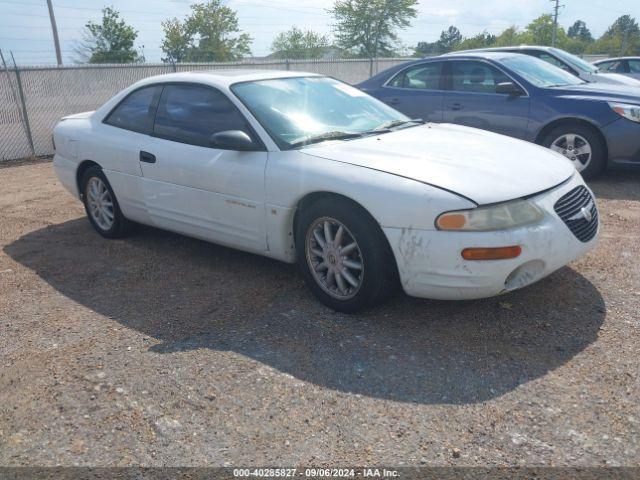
100, 203
334, 258
575, 147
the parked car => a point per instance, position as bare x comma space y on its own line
301, 167
591, 124
566, 61
629, 66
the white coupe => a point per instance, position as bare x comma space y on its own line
304, 168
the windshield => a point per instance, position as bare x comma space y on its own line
301, 110
540, 73
575, 62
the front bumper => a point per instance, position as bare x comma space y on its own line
623, 142
431, 266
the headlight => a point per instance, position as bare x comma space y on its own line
627, 110
495, 217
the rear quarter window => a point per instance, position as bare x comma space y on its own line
136, 111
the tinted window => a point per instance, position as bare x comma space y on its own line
552, 60
575, 62
604, 66
191, 114
478, 77
539, 72
634, 66
425, 77
616, 66
136, 111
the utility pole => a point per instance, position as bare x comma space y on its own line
54, 28
555, 21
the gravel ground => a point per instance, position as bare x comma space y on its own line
163, 350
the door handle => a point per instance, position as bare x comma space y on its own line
393, 101
455, 106
147, 157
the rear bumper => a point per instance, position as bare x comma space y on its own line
66, 172
431, 266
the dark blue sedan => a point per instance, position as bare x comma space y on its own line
593, 125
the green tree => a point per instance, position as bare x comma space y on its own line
368, 27
540, 31
579, 31
481, 40
450, 39
621, 38
425, 49
110, 41
296, 43
624, 24
511, 37
209, 34
176, 42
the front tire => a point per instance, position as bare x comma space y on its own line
101, 205
581, 145
343, 255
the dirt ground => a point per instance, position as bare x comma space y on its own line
163, 350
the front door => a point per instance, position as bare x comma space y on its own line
472, 100
417, 91
194, 189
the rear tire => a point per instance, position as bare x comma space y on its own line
582, 138
343, 255
101, 205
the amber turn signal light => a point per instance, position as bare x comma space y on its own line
500, 253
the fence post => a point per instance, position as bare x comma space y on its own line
287, 64
27, 125
371, 67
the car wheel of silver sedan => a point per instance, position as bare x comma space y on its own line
343, 255
101, 205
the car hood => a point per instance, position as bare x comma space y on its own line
615, 79
601, 91
479, 165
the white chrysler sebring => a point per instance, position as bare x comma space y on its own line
304, 168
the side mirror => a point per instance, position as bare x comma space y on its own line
232, 140
509, 88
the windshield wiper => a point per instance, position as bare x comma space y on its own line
322, 137
397, 123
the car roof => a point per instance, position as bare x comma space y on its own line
613, 59
224, 78
488, 54
504, 49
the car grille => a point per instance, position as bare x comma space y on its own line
578, 211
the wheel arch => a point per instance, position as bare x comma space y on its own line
572, 120
312, 197
82, 168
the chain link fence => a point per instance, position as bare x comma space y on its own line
33, 99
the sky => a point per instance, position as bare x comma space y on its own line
25, 27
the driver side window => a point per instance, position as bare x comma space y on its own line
192, 113
477, 77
